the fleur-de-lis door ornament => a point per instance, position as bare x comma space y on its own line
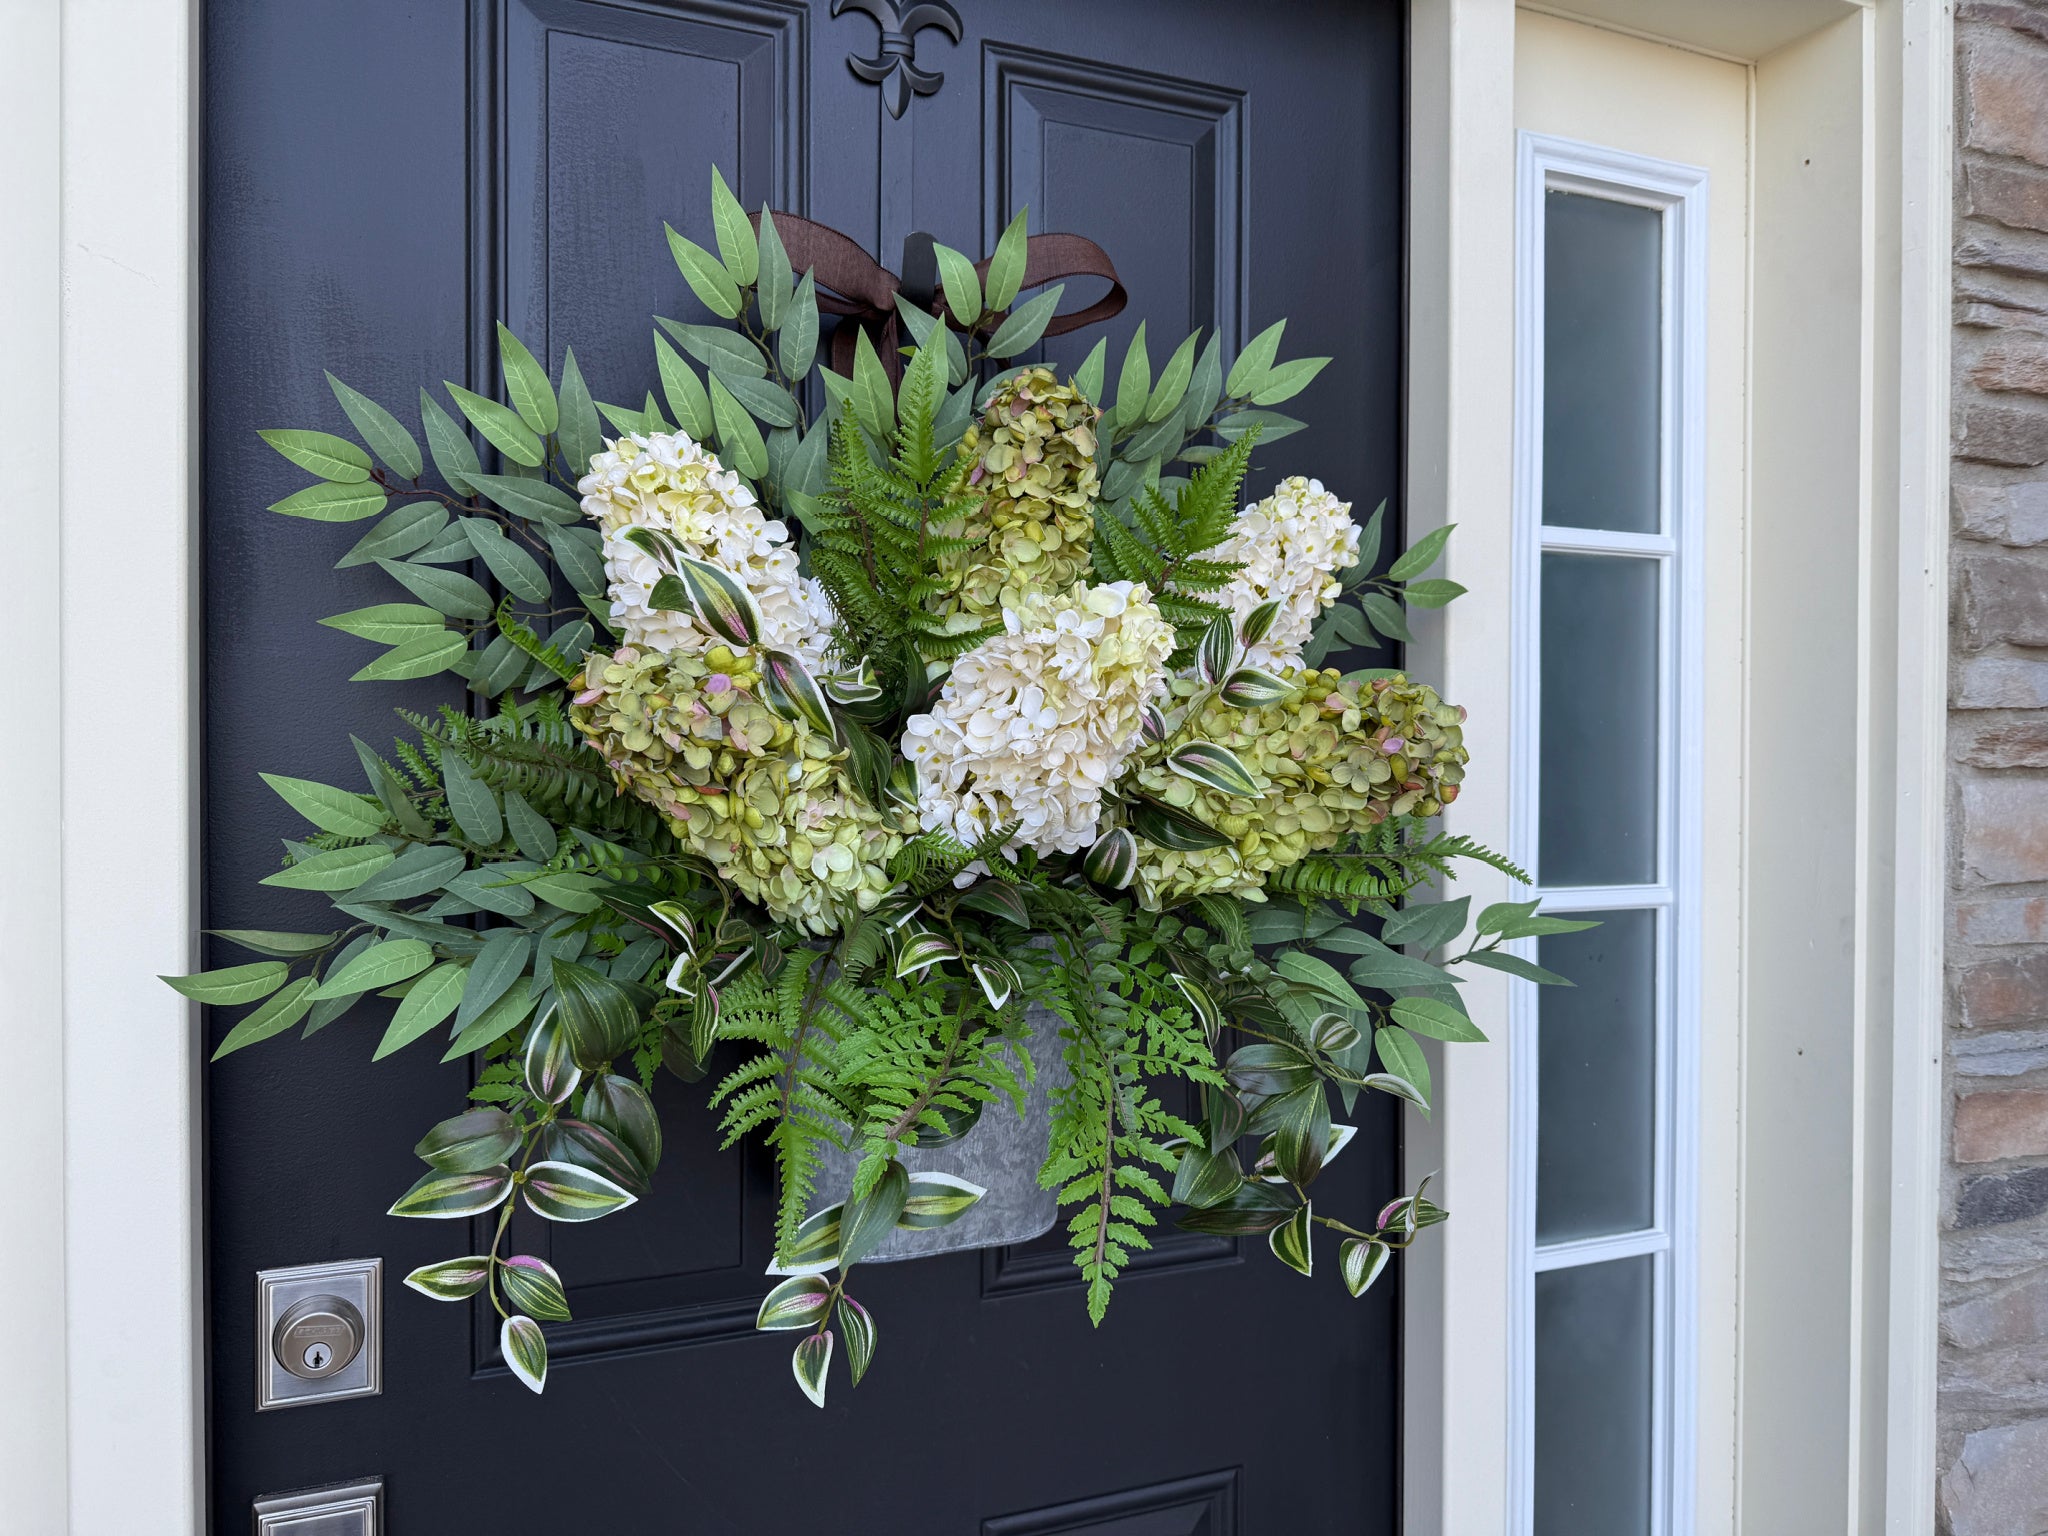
893, 67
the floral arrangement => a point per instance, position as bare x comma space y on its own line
834, 730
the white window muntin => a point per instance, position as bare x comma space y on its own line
1679, 194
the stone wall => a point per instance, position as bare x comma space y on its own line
1994, 1333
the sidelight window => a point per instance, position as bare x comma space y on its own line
1609, 479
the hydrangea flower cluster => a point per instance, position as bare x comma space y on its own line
1291, 546
763, 799
1035, 724
1033, 457
669, 482
1329, 758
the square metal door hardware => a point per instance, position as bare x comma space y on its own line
319, 1337
340, 1509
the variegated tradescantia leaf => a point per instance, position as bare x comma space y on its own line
1153, 723
721, 602
1290, 1241
526, 1351
791, 692
1170, 827
937, 1200
798, 1302
1333, 1032
1259, 622
853, 688
473, 1140
564, 1192
451, 1279
1202, 1005
1216, 767
920, 951
816, 1248
1249, 687
1361, 1259
444, 1196
869, 1217
812, 1359
859, 1325
998, 980
1217, 650
551, 1070
533, 1287
1113, 862
1399, 1087
569, 1140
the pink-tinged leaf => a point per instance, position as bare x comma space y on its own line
721, 602
859, 1326
679, 919
798, 1302
526, 1351
533, 1287
812, 1359
1113, 862
443, 1196
1215, 767
570, 1140
920, 951
1152, 723
1248, 687
564, 1192
451, 1279
796, 694
1362, 1259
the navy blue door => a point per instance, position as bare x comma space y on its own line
384, 179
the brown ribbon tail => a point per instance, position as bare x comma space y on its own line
850, 283
1048, 258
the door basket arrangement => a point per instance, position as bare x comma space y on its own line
932, 754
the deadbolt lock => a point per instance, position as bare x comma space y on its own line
318, 1336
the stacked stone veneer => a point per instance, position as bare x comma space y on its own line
1994, 1328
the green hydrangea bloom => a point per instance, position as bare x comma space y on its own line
1033, 452
763, 799
1330, 758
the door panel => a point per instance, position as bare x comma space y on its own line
384, 180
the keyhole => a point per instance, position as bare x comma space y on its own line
316, 1357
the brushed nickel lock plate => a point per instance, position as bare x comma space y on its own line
319, 1333
342, 1509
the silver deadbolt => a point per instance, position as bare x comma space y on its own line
319, 1333
318, 1336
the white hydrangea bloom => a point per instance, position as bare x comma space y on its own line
669, 481
1291, 546
1035, 723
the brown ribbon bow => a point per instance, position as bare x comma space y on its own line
862, 288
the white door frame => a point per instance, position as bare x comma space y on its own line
1871, 1450
102, 1428
102, 1421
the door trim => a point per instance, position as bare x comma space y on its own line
103, 1429
1880, 1470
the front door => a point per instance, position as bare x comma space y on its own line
384, 180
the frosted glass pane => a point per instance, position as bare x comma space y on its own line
1603, 301
1597, 821
1593, 1400
1596, 1116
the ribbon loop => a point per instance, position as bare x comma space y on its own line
853, 285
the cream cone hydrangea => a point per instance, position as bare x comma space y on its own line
670, 482
1291, 546
1035, 723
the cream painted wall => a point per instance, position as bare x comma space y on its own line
1621, 92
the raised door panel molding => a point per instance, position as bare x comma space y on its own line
1205, 1505
1048, 1264
1148, 166
599, 120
